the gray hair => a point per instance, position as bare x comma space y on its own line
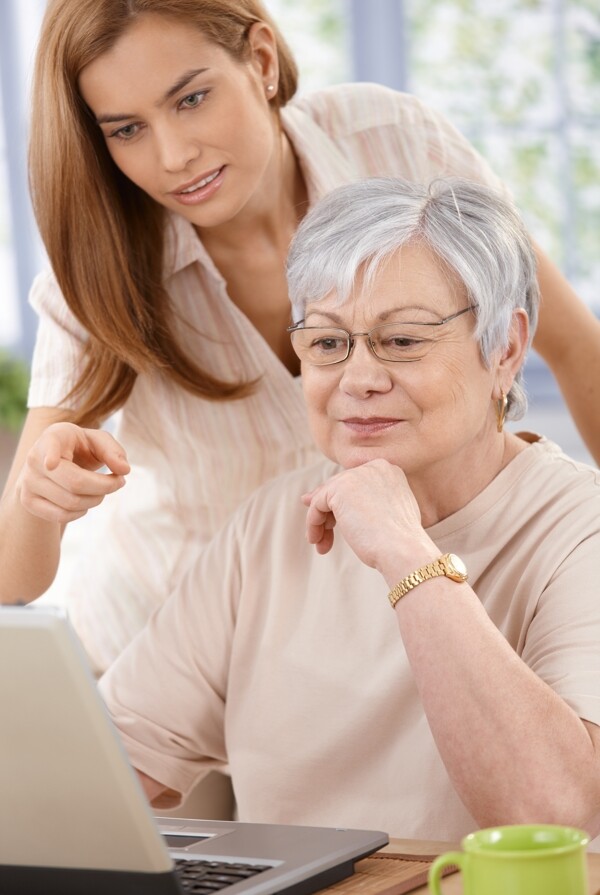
473, 229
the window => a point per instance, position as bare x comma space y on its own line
21, 253
521, 79
318, 35
9, 310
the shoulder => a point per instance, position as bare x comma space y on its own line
345, 109
46, 298
541, 501
561, 472
45, 292
550, 497
380, 131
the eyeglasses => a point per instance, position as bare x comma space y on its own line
395, 342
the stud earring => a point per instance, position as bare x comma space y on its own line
501, 405
270, 88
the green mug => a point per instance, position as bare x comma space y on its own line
528, 859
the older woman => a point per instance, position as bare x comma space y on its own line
472, 695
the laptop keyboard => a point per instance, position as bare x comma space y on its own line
205, 877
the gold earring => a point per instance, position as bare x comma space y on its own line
501, 405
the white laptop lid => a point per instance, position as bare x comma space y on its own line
70, 799
56, 739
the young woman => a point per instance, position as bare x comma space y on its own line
170, 169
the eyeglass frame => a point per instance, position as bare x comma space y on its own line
351, 337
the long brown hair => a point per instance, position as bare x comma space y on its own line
104, 236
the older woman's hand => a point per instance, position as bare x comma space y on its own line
59, 481
374, 509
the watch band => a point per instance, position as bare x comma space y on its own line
444, 565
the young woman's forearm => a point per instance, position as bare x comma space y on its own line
29, 545
568, 338
54, 479
29, 552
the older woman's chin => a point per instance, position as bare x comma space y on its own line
349, 458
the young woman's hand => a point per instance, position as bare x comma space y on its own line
59, 480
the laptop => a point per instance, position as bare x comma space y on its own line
74, 818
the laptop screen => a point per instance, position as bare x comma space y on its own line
73, 816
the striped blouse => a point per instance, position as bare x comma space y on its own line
194, 461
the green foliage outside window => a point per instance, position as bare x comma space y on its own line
520, 78
14, 380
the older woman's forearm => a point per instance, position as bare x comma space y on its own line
152, 788
568, 338
514, 750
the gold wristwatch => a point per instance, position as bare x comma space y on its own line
449, 565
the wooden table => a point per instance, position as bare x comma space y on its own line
391, 870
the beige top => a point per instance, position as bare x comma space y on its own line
194, 461
288, 667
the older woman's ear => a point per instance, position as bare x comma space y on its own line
513, 356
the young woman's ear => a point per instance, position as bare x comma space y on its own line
264, 59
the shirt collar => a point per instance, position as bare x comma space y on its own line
323, 164
183, 247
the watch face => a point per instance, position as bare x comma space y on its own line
457, 567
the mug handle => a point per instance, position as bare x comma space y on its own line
448, 859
